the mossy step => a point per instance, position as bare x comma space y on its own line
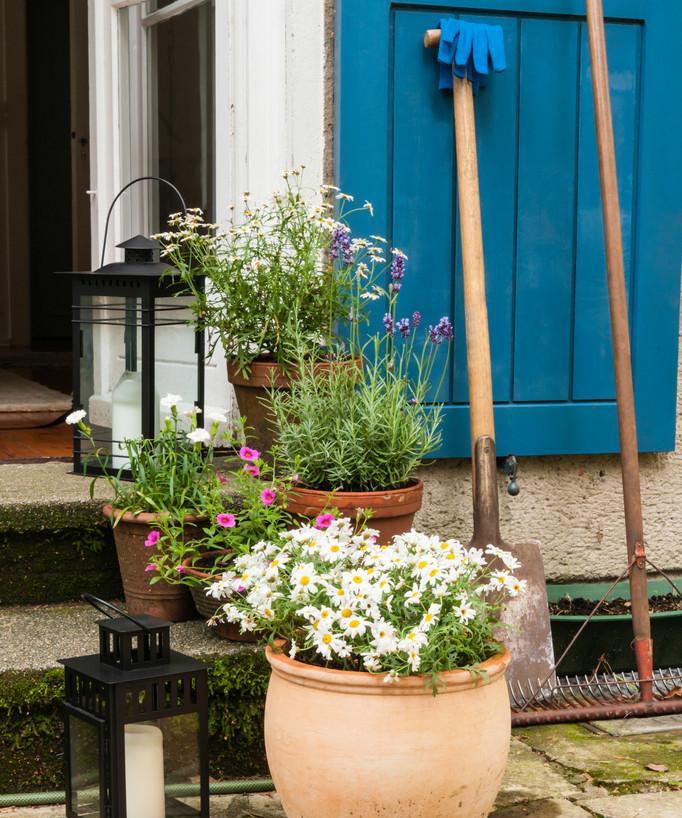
54, 543
32, 639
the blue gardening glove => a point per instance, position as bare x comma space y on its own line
467, 50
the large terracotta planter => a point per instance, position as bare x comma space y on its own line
342, 744
163, 600
199, 567
392, 511
251, 393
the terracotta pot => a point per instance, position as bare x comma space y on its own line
252, 392
342, 744
392, 511
206, 605
163, 600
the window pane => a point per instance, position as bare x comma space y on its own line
183, 87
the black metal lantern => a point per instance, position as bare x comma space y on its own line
128, 347
136, 724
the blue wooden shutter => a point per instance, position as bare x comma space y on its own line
552, 371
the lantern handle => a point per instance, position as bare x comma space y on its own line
123, 190
102, 606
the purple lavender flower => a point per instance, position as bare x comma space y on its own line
403, 327
395, 286
445, 328
388, 323
434, 335
341, 244
397, 266
416, 319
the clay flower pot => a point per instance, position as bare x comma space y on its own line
163, 600
199, 567
392, 511
342, 743
251, 393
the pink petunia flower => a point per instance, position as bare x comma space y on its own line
268, 496
221, 477
323, 521
246, 453
226, 520
180, 569
150, 567
252, 469
295, 479
152, 538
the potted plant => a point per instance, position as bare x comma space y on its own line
171, 479
356, 435
276, 281
248, 511
394, 644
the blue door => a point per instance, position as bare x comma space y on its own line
542, 224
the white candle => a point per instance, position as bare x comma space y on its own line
126, 413
145, 790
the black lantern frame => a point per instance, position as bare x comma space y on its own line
133, 288
136, 678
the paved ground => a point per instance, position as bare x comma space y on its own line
626, 769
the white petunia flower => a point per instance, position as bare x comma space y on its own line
75, 417
170, 400
216, 417
199, 436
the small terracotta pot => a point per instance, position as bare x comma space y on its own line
392, 511
207, 605
163, 600
420, 755
252, 393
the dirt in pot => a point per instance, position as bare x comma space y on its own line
567, 606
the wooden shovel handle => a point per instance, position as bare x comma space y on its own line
473, 268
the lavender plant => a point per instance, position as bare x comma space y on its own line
369, 425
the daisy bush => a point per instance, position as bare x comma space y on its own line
276, 277
340, 600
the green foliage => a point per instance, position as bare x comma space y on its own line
171, 473
366, 427
272, 281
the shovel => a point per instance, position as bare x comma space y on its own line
465, 53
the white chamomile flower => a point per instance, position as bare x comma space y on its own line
430, 617
384, 637
304, 578
515, 586
354, 626
498, 580
75, 417
374, 237
463, 611
371, 663
413, 597
346, 197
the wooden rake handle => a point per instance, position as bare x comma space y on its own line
473, 267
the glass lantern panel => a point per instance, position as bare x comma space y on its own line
111, 373
162, 767
85, 764
176, 371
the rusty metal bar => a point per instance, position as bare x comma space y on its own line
638, 709
620, 336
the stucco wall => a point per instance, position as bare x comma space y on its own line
573, 506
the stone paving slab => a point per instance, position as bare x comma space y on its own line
610, 760
35, 637
639, 805
530, 777
638, 727
546, 808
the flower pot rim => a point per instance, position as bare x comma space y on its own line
191, 571
144, 517
365, 683
261, 369
414, 485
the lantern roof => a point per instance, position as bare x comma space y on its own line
139, 242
